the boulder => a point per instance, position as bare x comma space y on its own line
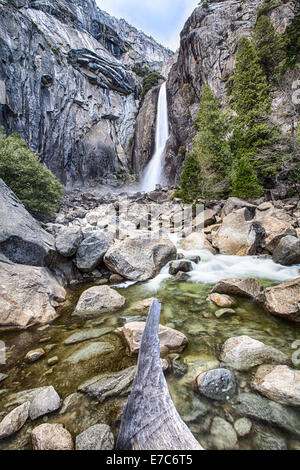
97, 301
97, 437
287, 251
284, 300
140, 259
222, 300
22, 240
89, 352
51, 437
250, 288
217, 384
170, 340
277, 224
14, 421
28, 296
196, 241
238, 234
68, 240
180, 265
223, 435
278, 383
46, 401
233, 204
91, 252
242, 353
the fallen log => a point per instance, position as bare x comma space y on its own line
150, 420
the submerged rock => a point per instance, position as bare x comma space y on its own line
278, 383
217, 384
170, 340
284, 300
242, 353
15, 420
3, 377
264, 439
51, 437
86, 335
90, 351
140, 259
97, 301
33, 356
223, 435
97, 437
222, 300
243, 427
222, 312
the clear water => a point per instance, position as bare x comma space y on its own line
184, 308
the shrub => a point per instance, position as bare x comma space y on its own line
150, 81
27, 177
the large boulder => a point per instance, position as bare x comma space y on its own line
196, 241
97, 437
238, 234
51, 437
284, 300
242, 353
170, 340
22, 240
277, 224
98, 300
287, 251
140, 259
278, 383
91, 252
68, 240
248, 287
234, 203
15, 420
28, 296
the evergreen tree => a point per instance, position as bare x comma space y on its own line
244, 182
191, 181
29, 179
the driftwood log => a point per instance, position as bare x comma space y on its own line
150, 420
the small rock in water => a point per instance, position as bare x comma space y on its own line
184, 266
217, 384
195, 260
222, 300
15, 420
278, 383
90, 352
33, 356
179, 369
46, 401
51, 437
52, 361
223, 435
222, 312
265, 440
97, 301
97, 437
3, 377
86, 335
243, 427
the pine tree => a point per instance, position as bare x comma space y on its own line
244, 182
191, 181
22, 171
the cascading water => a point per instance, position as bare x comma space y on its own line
153, 172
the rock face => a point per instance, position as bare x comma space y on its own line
28, 296
249, 287
242, 353
278, 383
284, 300
287, 251
14, 421
139, 259
98, 437
170, 339
22, 240
78, 107
97, 301
51, 437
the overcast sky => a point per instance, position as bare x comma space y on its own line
162, 19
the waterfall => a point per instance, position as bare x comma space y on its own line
153, 172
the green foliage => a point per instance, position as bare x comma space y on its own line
21, 170
140, 71
188, 94
291, 39
244, 181
191, 180
150, 81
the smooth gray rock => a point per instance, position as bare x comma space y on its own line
14, 421
87, 335
217, 384
68, 240
46, 401
91, 252
91, 351
223, 435
180, 266
97, 437
287, 251
51, 437
97, 301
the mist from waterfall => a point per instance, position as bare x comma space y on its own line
154, 170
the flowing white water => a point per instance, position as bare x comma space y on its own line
153, 172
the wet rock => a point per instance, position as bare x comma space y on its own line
3, 377
97, 437
14, 421
242, 353
178, 368
263, 439
184, 266
261, 409
143, 305
170, 340
138, 318
223, 312
90, 351
46, 401
284, 300
222, 300
217, 384
28, 296
110, 385
52, 361
139, 259
97, 301
25, 395
91, 252
250, 288
196, 241
287, 251
51, 437
223, 435
86, 335
243, 427
33, 356
68, 240
116, 279
278, 383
